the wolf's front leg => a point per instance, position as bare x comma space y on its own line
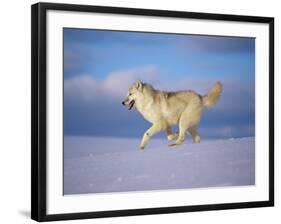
155, 128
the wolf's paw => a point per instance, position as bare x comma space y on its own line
172, 136
142, 147
179, 141
197, 140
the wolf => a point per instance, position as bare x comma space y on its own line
166, 109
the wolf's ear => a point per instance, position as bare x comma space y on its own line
138, 84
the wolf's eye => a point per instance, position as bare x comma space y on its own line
130, 94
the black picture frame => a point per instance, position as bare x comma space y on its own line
39, 121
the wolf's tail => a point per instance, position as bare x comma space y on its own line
213, 95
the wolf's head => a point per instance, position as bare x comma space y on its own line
134, 94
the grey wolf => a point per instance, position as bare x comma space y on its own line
166, 109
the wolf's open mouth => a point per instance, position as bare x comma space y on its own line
131, 104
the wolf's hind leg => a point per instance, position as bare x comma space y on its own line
189, 118
171, 135
194, 134
181, 135
155, 128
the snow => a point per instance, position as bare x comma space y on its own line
102, 165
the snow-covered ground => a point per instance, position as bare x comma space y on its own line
100, 165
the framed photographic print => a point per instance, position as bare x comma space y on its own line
140, 111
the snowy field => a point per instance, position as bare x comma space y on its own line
100, 165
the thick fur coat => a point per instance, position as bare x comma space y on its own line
166, 109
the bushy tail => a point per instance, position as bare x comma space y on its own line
213, 95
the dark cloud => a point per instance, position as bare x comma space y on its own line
223, 44
80, 59
92, 36
218, 44
87, 49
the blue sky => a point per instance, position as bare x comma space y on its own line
99, 66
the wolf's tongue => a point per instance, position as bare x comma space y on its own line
131, 105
